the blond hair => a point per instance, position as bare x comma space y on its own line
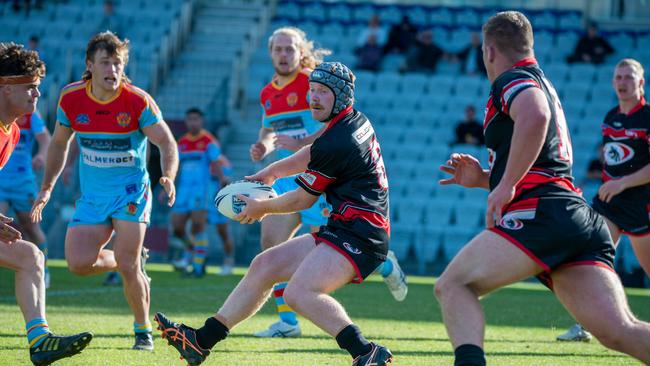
113, 46
635, 65
311, 56
511, 32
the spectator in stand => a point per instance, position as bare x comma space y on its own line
369, 55
471, 57
401, 36
424, 54
591, 48
374, 28
110, 21
33, 45
470, 130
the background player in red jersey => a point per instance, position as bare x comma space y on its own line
537, 223
624, 197
20, 75
348, 249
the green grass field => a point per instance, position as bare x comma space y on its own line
523, 321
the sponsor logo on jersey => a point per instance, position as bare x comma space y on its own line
119, 144
308, 178
82, 119
350, 248
123, 119
511, 223
100, 159
363, 133
267, 104
102, 113
617, 124
292, 99
617, 153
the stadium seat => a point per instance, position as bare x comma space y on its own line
570, 20
468, 17
363, 12
441, 16
418, 15
454, 239
315, 11
390, 14
428, 243
340, 12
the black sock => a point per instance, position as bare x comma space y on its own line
469, 355
351, 339
210, 333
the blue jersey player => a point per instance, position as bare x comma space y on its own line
18, 181
112, 120
198, 150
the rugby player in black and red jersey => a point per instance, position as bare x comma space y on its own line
537, 222
624, 197
346, 164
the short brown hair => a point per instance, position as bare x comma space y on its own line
15, 60
109, 42
510, 31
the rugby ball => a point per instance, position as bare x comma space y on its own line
230, 206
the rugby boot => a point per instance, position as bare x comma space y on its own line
143, 342
378, 356
54, 348
280, 329
575, 334
183, 338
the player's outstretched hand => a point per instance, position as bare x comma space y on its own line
257, 151
39, 204
265, 176
8, 234
499, 198
465, 170
38, 162
251, 213
170, 189
287, 143
610, 189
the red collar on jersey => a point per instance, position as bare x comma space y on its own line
338, 117
525, 62
18, 79
639, 105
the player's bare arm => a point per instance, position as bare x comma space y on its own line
43, 140
264, 145
466, 171
57, 153
290, 202
615, 186
293, 144
294, 164
160, 135
531, 116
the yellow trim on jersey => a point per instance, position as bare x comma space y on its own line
278, 87
4, 128
201, 133
111, 99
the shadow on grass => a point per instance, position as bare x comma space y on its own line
528, 306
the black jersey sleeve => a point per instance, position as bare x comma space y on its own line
325, 165
509, 86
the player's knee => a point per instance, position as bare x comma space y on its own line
32, 257
441, 287
292, 296
128, 269
611, 339
263, 266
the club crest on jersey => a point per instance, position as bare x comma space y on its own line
617, 153
200, 145
350, 248
267, 104
123, 119
292, 99
82, 119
